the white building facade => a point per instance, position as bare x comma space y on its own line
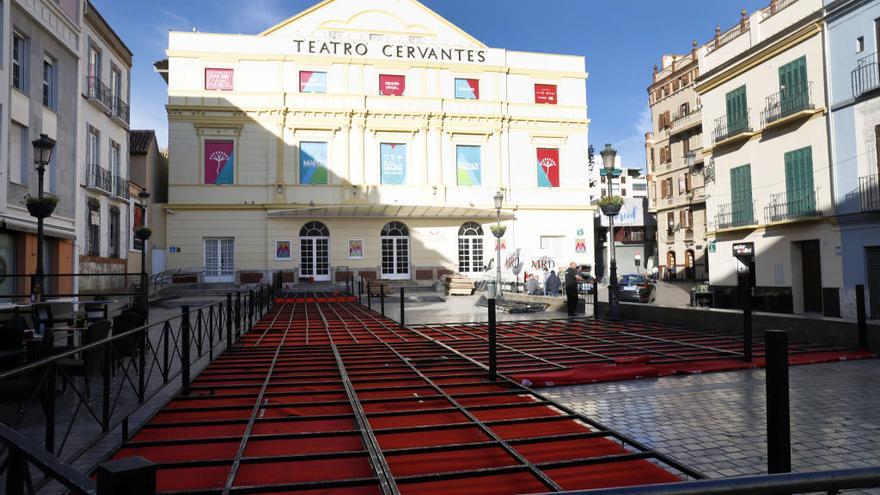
370, 141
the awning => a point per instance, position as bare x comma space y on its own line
31, 228
392, 211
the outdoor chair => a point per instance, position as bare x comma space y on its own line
95, 311
43, 318
90, 361
23, 388
12, 339
125, 347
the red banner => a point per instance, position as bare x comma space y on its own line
218, 79
545, 94
548, 167
392, 85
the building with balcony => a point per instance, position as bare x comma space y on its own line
853, 79
369, 140
41, 56
148, 171
103, 208
676, 197
768, 170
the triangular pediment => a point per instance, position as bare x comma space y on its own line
394, 18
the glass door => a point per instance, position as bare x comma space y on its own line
315, 258
219, 260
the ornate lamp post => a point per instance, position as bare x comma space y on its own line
41, 207
608, 157
143, 234
498, 232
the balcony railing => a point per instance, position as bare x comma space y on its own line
728, 126
120, 188
735, 214
103, 180
685, 120
121, 110
100, 93
869, 193
866, 76
787, 102
785, 206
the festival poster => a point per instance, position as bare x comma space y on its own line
392, 85
218, 79
548, 167
393, 162
312, 163
219, 162
283, 251
580, 246
467, 89
355, 249
545, 94
312, 82
467, 163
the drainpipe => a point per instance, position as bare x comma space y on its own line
828, 130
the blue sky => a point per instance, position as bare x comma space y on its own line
621, 40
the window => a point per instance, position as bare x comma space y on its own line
470, 248
623, 191
860, 44
312, 82
114, 232
93, 233
687, 182
93, 147
793, 86
94, 72
741, 195
681, 187
800, 195
392, 85
19, 62
115, 89
670, 221
116, 169
545, 94
50, 84
669, 191
19, 168
737, 111
467, 89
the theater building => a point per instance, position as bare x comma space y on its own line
370, 138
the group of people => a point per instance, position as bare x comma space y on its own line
551, 284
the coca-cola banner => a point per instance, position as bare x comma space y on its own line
219, 162
548, 167
218, 79
390, 85
467, 89
545, 94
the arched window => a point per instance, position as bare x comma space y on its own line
314, 229
314, 252
394, 241
470, 248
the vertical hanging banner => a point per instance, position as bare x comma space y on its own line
468, 165
545, 94
218, 79
467, 89
391, 85
312, 162
393, 163
312, 82
548, 167
219, 162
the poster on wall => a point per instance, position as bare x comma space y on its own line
548, 167
580, 246
312, 82
393, 162
467, 163
355, 249
467, 89
218, 79
283, 251
219, 162
545, 94
137, 222
312, 163
392, 85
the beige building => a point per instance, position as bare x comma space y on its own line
370, 139
676, 186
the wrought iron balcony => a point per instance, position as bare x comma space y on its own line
120, 188
685, 120
729, 126
99, 92
735, 214
866, 76
99, 178
784, 206
869, 193
788, 101
121, 111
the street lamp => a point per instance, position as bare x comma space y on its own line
143, 234
41, 208
609, 155
499, 233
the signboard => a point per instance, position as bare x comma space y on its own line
283, 250
312, 163
219, 162
389, 50
712, 247
392, 85
545, 94
392, 159
218, 79
632, 214
468, 166
467, 89
548, 167
312, 82
744, 249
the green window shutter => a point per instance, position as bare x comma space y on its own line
800, 195
741, 195
737, 110
793, 86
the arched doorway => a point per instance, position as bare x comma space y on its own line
470, 248
314, 252
670, 265
689, 270
395, 251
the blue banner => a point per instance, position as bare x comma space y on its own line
312, 163
393, 163
468, 166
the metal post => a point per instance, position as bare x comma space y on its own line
251, 308
493, 344
360, 291
37, 286
185, 351
199, 316
862, 317
369, 297
402, 308
166, 339
237, 314
613, 308
142, 362
382, 298
595, 298
105, 390
778, 424
49, 392
228, 319
746, 294
210, 332
129, 476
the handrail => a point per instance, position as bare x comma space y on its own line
70, 478
768, 484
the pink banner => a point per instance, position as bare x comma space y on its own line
218, 79
392, 85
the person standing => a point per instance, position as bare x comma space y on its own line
571, 288
544, 276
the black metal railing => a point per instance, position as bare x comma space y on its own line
728, 126
789, 205
869, 193
735, 214
121, 110
99, 178
120, 187
97, 91
787, 101
866, 76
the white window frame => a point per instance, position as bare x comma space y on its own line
50, 93
20, 63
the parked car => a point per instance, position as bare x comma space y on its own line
635, 288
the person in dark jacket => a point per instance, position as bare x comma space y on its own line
552, 285
571, 287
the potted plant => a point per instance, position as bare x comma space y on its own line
610, 205
143, 233
498, 230
40, 207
